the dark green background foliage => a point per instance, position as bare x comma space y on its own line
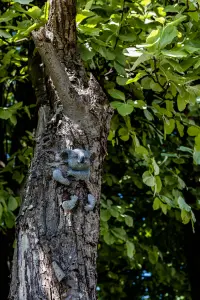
146, 56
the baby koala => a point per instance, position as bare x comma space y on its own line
78, 162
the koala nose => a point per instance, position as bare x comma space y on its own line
82, 159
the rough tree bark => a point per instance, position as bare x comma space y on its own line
56, 251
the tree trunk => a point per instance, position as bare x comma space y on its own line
56, 251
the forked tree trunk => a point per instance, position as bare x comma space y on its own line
56, 250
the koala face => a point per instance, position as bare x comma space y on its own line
78, 159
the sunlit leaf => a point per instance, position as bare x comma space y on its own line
148, 178
116, 94
23, 1
193, 131
130, 249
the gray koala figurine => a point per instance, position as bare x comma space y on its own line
78, 162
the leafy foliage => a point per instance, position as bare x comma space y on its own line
152, 75
16, 107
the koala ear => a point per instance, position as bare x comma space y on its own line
64, 154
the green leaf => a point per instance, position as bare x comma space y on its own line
13, 119
9, 219
172, 8
123, 109
185, 149
155, 86
169, 180
144, 57
178, 19
181, 103
167, 200
26, 109
155, 167
34, 12
137, 181
141, 150
193, 218
86, 53
5, 34
89, 31
169, 126
105, 215
8, 15
194, 15
197, 142
195, 89
114, 211
129, 221
130, 249
139, 104
80, 17
158, 184
153, 37
180, 128
183, 205
89, 5
176, 66
175, 53
146, 82
193, 131
121, 80
129, 37
18, 176
153, 257
5, 113
185, 216
23, 1
168, 34
119, 68
107, 53
123, 133
16, 106
182, 184
137, 77
120, 58
116, 94
115, 104
119, 233
164, 208
148, 178
109, 238
148, 115
156, 203
196, 157
12, 203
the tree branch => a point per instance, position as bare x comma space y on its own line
62, 24
72, 105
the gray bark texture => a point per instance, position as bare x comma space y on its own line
56, 251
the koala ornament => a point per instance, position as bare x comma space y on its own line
78, 163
